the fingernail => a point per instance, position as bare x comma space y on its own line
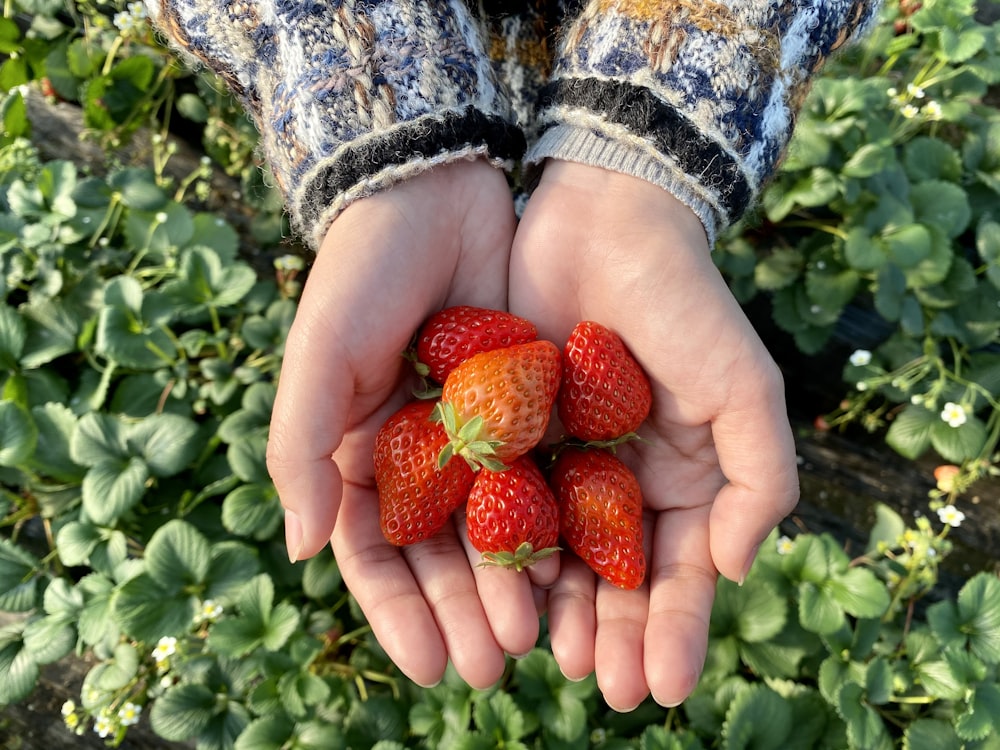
747, 565
293, 536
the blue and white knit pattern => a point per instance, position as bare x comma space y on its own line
698, 96
350, 96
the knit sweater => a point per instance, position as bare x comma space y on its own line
352, 96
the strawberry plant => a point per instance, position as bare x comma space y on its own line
881, 234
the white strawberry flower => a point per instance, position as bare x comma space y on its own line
784, 544
954, 414
951, 516
860, 357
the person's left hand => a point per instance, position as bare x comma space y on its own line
717, 464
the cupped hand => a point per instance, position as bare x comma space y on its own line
388, 262
717, 463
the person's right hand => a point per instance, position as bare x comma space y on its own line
387, 262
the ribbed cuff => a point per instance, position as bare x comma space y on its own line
594, 142
373, 163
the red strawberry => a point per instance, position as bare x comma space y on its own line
604, 393
416, 497
512, 516
600, 512
454, 334
496, 405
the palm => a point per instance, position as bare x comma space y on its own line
716, 466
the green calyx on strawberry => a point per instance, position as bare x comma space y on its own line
496, 405
512, 517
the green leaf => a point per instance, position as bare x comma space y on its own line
978, 720
865, 727
988, 247
75, 541
113, 488
321, 576
757, 718
18, 578
887, 529
12, 337
147, 612
177, 555
212, 231
957, 444
909, 434
931, 159
908, 245
14, 121
377, 719
18, 670
753, 613
49, 639
779, 269
266, 733
53, 327
56, 424
183, 712
130, 326
939, 680
560, 705
138, 190
957, 46
863, 251
941, 204
246, 458
232, 566
870, 159
97, 626
878, 681
204, 282
253, 511
496, 715
118, 671
98, 439
860, 592
167, 442
18, 434
819, 611
979, 611
259, 623
931, 734
833, 673
890, 291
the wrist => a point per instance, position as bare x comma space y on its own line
608, 190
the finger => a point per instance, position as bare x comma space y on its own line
507, 598
621, 625
572, 618
441, 568
386, 590
756, 451
681, 591
619, 647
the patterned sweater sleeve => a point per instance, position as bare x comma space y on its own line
697, 96
349, 96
